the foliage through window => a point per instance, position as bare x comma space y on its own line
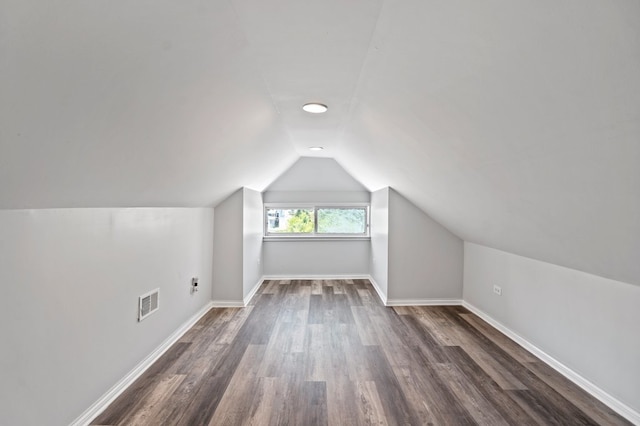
316, 221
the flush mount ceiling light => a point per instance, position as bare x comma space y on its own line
315, 108
316, 148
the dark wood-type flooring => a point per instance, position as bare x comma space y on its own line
328, 352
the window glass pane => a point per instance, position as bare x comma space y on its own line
290, 221
342, 220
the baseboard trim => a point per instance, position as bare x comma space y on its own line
612, 402
376, 287
227, 304
316, 277
424, 302
101, 404
253, 291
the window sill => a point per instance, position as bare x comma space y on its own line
315, 238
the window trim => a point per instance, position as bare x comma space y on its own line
315, 236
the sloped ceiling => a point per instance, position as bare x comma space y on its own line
514, 124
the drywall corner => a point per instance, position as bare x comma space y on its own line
426, 261
227, 283
379, 230
252, 232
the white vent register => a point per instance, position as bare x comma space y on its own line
148, 304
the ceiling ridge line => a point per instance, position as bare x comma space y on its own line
358, 81
258, 69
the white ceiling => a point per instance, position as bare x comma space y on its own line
514, 124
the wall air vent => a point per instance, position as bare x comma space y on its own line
148, 304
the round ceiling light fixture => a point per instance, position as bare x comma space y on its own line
316, 148
315, 108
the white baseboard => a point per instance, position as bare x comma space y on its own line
424, 302
316, 277
101, 404
376, 287
613, 403
253, 291
227, 303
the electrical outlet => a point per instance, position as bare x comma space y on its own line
497, 290
194, 284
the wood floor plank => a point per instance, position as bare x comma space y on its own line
424, 341
341, 403
312, 403
363, 325
352, 294
444, 334
234, 325
595, 409
494, 368
369, 404
269, 287
338, 286
131, 399
146, 413
485, 384
241, 389
469, 396
398, 354
343, 309
314, 353
439, 397
512, 348
298, 331
392, 399
328, 352
173, 408
207, 396
316, 287
268, 390
417, 394
316, 309
538, 396
358, 371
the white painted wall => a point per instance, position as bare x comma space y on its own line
379, 263
316, 180
425, 259
252, 218
70, 282
317, 196
227, 249
316, 175
316, 258
588, 323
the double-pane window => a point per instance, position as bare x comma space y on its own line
316, 220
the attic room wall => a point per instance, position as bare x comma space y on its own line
227, 250
586, 322
425, 259
68, 311
317, 258
237, 247
251, 240
316, 180
379, 267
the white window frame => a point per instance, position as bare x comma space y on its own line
312, 236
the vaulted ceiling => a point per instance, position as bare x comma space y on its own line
514, 124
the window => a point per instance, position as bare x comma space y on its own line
316, 221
